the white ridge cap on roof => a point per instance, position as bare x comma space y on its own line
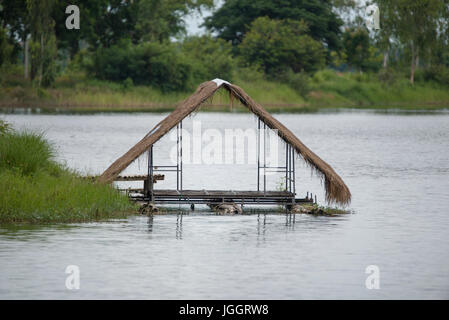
219, 82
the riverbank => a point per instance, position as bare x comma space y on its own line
325, 89
36, 189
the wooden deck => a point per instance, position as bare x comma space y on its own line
217, 196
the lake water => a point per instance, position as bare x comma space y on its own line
396, 166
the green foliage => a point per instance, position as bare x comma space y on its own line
365, 90
276, 46
298, 81
63, 197
14, 17
128, 83
388, 76
437, 73
210, 58
4, 127
5, 48
161, 65
80, 62
417, 24
234, 18
43, 45
159, 20
33, 188
356, 47
25, 152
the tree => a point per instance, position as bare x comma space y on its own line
415, 23
14, 18
211, 57
158, 20
151, 63
279, 45
234, 18
5, 48
43, 44
92, 22
356, 45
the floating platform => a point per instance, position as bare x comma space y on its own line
216, 196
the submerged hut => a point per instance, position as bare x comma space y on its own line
336, 190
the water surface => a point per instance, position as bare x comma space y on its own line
396, 166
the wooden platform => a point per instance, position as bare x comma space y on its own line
217, 196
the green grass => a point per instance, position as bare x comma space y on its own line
331, 89
327, 89
36, 189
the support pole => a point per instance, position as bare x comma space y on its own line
294, 173
286, 166
177, 156
264, 157
291, 168
180, 146
150, 181
258, 155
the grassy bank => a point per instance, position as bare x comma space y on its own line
34, 188
325, 89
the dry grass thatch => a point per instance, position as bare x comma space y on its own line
336, 189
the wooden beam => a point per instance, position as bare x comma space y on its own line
143, 177
140, 178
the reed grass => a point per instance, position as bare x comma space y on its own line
327, 89
36, 189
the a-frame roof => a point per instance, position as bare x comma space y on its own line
336, 189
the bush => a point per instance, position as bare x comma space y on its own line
25, 152
6, 48
127, 83
4, 127
34, 188
210, 58
276, 45
387, 76
156, 64
437, 73
298, 81
43, 61
323, 76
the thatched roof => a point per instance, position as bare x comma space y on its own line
336, 189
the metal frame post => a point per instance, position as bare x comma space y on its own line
264, 157
258, 155
150, 173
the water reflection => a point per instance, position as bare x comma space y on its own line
179, 226
290, 219
150, 223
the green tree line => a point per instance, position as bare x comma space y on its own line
144, 41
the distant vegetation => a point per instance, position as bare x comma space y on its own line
34, 188
135, 54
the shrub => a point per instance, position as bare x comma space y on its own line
156, 64
6, 48
437, 73
210, 58
323, 76
34, 188
276, 45
298, 81
387, 76
25, 152
4, 127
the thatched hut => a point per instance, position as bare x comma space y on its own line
335, 189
